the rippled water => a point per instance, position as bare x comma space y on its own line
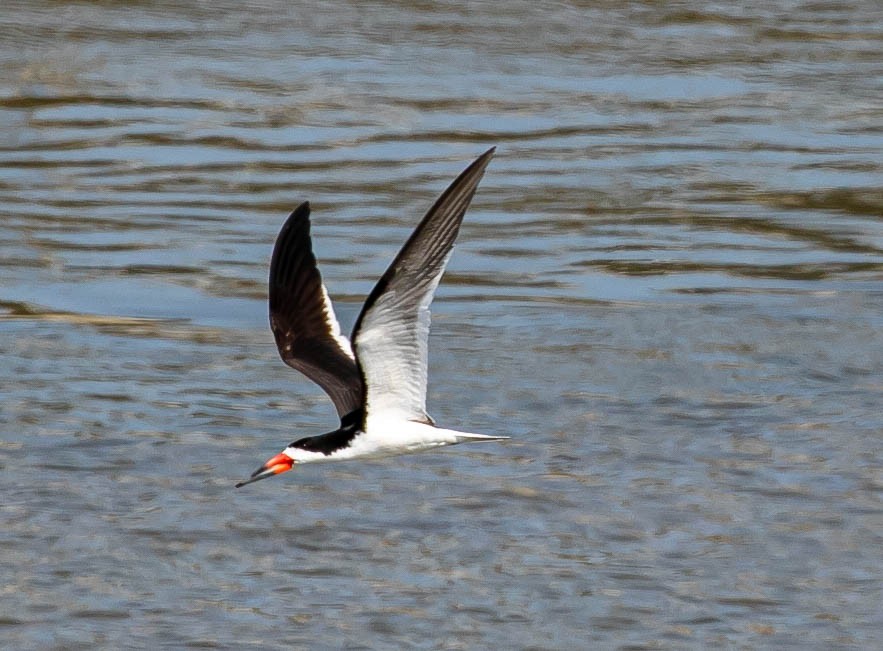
668, 292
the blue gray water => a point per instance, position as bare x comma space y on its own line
668, 292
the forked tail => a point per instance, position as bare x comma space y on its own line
463, 437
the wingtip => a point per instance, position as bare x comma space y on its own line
299, 215
486, 156
478, 165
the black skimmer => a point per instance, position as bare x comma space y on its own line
378, 384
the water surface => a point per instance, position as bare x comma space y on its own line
667, 291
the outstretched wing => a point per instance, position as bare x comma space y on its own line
392, 331
302, 317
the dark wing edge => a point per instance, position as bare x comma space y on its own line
391, 334
302, 317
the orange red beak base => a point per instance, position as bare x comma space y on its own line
278, 464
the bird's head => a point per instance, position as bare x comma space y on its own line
274, 466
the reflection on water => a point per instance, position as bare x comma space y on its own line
667, 291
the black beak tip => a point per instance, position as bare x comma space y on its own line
261, 473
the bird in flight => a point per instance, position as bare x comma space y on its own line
377, 383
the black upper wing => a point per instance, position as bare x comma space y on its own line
302, 317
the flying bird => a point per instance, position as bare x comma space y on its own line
377, 383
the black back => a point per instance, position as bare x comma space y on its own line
327, 444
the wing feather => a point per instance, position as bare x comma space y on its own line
391, 334
302, 317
